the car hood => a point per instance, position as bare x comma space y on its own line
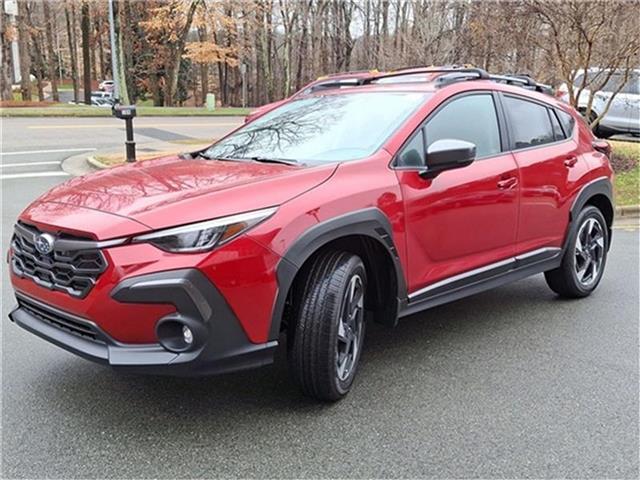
172, 191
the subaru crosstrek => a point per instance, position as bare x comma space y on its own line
366, 203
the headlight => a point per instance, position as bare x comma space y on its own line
203, 236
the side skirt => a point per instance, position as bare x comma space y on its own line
481, 279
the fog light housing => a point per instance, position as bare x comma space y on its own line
180, 334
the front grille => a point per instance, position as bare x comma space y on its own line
73, 271
58, 319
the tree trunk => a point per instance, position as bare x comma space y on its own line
70, 13
53, 60
6, 68
120, 76
37, 43
25, 56
86, 51
101, 57
204, 67
173, 68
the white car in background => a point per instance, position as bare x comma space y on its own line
106, 85
623, 115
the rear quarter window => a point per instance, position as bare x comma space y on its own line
567, 121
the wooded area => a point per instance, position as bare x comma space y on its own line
175, 51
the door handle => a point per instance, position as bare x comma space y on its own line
571, 161
507, 183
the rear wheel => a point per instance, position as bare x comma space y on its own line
585, 258
326, 340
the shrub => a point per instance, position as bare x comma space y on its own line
625, 156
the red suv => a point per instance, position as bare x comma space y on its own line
405, 191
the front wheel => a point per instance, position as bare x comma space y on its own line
326, 340
585, 258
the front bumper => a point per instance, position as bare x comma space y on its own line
221, 344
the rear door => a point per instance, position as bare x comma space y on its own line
542, 141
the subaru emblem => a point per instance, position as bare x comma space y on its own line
44, 243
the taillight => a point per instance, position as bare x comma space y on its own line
602, 146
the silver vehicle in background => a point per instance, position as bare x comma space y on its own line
102, 99
623, 115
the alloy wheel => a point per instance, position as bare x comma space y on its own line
350, 328
589, 251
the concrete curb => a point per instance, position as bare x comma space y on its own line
77, 165
628, 211
84, 163
94, 162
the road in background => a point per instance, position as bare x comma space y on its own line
38, 145
509, 383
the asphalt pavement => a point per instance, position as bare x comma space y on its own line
511, 383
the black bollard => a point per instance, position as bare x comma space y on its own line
126, 113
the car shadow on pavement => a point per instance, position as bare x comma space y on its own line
429, 345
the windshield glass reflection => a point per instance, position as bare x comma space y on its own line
321, 129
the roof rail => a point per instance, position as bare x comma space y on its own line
523, 80
449, 74
413, 67
372, 71
337, 83
478, 72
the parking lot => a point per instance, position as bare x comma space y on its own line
510, 383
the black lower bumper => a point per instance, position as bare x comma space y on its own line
221, 346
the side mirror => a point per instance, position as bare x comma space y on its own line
447, 154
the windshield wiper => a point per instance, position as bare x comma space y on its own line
285, 161
227, 159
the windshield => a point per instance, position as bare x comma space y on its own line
321, 129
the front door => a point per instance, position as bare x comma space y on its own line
466, 218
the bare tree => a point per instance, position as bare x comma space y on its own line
53, 60
37, 46
7, 35
70, 17
597, 39
25, 56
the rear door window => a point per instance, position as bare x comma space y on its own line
529, 122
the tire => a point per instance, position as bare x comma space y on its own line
325, 341
598, 130
585, 257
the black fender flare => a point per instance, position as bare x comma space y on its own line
369, 222
599, 186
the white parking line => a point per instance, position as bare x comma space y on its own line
138, 125
48, 151
27, 164
33, 175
